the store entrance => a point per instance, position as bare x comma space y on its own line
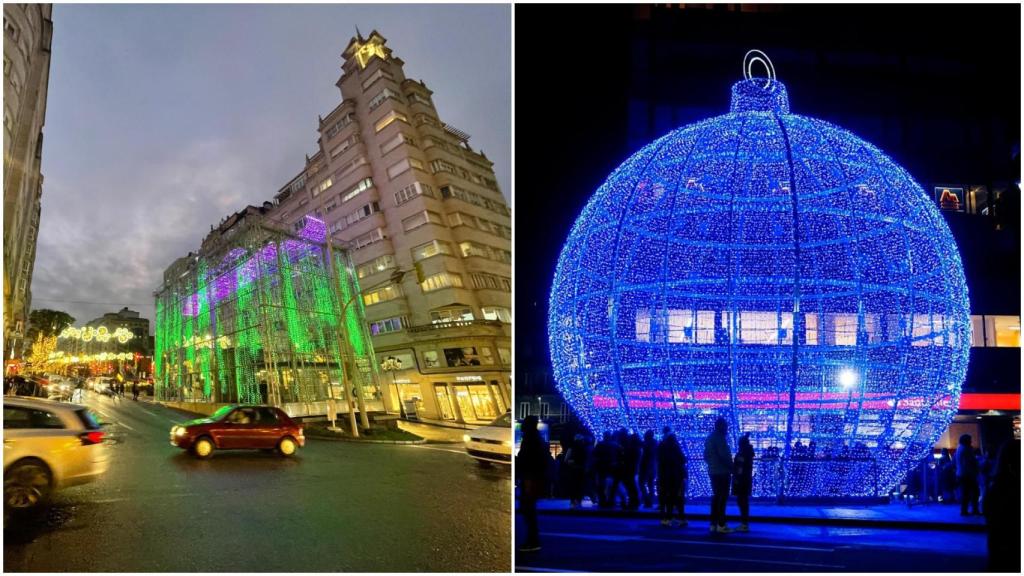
476, 402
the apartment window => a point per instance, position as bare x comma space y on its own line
388, 325
398, 140
378, 264
362, 185
375, 235
345, 145
421, 218
388, 118
323, 186
491, 282
350, 166
381, 97
451, 315
442, 166
497, 313
502, 255
399, 167
380, 73
416, 97
382, 295
361, 213
337, 126
411, 191
441, 280
432, 248
505, 355
331, 205
473, 249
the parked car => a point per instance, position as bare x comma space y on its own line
240, 427
491, 443
48, 446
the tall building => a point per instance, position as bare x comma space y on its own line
28, 31
131, 321
430, 233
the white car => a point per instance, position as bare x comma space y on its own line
491, 443
48, 446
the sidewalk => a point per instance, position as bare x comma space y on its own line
930, 516
436, 434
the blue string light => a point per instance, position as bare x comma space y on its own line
778, 271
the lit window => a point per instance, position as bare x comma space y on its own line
378, 264
411, 191
362, 185
1002, 331
497, 313
421, 218
451, 315
432, 248
387, 325
382, 295
388, 119
441, 280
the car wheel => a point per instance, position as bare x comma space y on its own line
287, 446
26, 484
203, 448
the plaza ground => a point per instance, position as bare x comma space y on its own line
336, 506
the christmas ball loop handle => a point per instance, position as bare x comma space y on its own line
753, 56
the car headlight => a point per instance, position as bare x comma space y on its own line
179, 430
465, 437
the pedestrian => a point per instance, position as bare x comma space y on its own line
743, 480
719, 461
947, 477
967, 476
575, 466
135, 391
671, 480
1002, 513
532, 471
648, 468
631, 468
603, 467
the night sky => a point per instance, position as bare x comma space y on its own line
162, 120
935, 87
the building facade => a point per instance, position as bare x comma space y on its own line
131, 321
265, 315
414, 202
28, 32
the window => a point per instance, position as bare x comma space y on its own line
350, 166
382, 295
388, 119
421, 218
441, 280
337, 126
361, 213
505, 355
432, 248
450, 191
364, 184
524, 410
473, 249
1002, 331
468, 356
430, 359
381, 73
398, 140
442, 166
345, 145
399, 167
411, 191
451, 315
331, 205
387, 325
378, 264
323, 186
380, 98
456, 219
490, 282
18, 417
497, 313
375, 235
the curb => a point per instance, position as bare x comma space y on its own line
360, 441
804, 520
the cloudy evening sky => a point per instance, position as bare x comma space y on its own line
161, 120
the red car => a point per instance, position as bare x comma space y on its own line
233, 427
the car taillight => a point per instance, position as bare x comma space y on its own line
90, 438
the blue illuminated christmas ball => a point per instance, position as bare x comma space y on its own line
780, 272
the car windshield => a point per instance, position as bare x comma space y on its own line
221, 413
504, 421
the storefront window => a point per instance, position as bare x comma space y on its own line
430, 359
444, 403
1002, 331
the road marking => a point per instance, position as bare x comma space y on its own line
620, 538
433, 448
758, 561
119, 423
111, 500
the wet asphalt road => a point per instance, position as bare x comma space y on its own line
336, 506
642, 545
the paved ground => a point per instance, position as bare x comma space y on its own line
441, 434
589, 543
337, 506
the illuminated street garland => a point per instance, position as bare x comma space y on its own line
99, 334
778, 271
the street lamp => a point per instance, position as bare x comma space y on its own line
392, 364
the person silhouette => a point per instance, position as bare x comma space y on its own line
719, 461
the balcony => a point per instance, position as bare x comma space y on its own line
474, 326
